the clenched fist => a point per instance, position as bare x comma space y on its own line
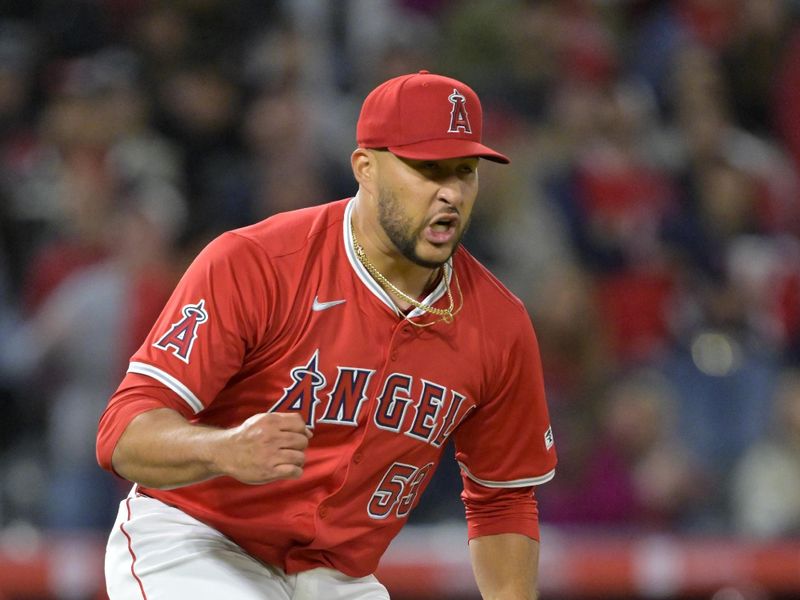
266, 447
161, 449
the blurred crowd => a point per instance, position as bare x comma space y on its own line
649, 221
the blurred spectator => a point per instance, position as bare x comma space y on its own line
766, 482
198, 106
786, 95
518, 232
74, 348
94, 140
752, 59
573, 339
635, 473
709, 139
616, 195
18, 52
11, 425
79, 239
721, 370
278, 136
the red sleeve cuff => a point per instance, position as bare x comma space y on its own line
136, 394
492, 511
527, 527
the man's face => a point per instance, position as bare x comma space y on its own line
424, 206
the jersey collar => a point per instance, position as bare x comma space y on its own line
372, 285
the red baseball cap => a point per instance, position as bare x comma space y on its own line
423, 116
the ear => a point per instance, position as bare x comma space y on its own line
364, 164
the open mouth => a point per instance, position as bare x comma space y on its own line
442, 229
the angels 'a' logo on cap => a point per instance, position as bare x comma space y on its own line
459, 119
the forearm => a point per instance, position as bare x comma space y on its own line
160, 449
505, 566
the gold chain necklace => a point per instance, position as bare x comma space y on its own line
446, 314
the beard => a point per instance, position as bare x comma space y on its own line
402, 232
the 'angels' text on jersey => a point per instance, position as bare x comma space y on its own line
427, 411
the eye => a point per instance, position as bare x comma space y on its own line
467, 168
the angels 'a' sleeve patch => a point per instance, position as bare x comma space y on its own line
181, 336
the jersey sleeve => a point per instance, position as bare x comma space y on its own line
136, 395
492, 511
507, 441
216, 314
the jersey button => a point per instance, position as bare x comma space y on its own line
393, 355
323, 512
358, 457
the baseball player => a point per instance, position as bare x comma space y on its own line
293, 399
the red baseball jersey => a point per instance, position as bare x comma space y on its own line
281, 316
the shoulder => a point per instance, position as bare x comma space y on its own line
261, 251
488, 292
290, 232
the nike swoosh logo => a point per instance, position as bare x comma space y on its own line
317, 305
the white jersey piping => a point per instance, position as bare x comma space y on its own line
373, 285
514, 483
168, 380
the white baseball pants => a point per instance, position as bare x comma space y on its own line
157, 552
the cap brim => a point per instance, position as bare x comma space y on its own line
446, 149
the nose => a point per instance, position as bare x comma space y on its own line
451, 191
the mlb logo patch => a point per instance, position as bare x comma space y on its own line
548, 438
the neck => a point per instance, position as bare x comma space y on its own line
409, 277
401, 298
